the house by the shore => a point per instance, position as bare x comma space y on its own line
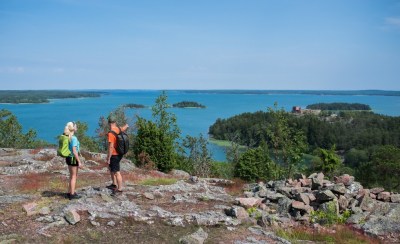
300, 111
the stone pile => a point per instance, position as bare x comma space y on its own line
376, 211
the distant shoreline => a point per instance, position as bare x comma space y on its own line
45, 96
42, 96
303, 92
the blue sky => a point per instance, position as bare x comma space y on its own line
207, 44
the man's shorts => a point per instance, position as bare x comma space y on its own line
71, 161
114, 163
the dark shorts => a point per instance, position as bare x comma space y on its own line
71, 161
114, 163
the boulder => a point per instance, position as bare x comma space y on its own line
346, 179
299, 205
377, 190
329, 206
284, 205
303, 198
305, 182
354, 188
296, 190
197, 237
367, 203
72, 216
274, 196
30, 208
361, 193
379, 225
339, 188
343, 203
317, 180
237, 212
384, 196
249, 202
325, 196
395, 198
180, 174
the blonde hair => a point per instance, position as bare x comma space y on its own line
70, 129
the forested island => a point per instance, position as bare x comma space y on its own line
133, 105
368, 143
347, 130
188, 104
339, 106
42, 96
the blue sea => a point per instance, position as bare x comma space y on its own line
49, 119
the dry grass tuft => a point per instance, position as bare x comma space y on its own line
44, 157
33, 182
35, 151
235, 189
158, 181
335, 234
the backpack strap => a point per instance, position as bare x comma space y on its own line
115, 133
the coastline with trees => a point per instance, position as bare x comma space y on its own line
42, 96
340, 106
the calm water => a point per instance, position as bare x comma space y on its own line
49, 119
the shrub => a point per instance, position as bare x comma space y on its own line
254, 213
155, 145
222, 170
11, 135
158, 139
199, 158
253, 165
329, 216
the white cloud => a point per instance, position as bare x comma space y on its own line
393, 21
12, 70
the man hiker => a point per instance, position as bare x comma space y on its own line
113, 157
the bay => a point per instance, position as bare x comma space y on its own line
49, 119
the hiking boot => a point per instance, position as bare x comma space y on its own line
111, 187
74, 196
116, 193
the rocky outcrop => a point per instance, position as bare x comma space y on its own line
193, 201
23, 161
374, 211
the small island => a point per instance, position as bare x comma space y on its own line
42, 96
188, 104
133, 105
339, 106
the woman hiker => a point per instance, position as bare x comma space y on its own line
73, 160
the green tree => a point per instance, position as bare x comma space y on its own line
233, 151
288, 144
328, 161
153, 147
87, 143
11, 135
162, 135
255, 164
165, 121
386, 167
199, 157
355, 157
